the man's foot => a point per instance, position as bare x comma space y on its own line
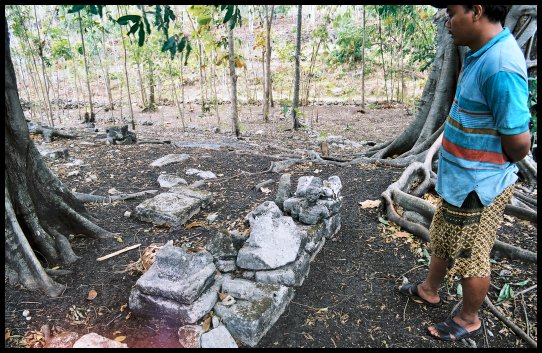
453, 330
417, 294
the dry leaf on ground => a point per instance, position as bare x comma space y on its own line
120, 338
195, 224
370, 203
92, 294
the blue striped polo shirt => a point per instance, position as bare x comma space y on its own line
490, 101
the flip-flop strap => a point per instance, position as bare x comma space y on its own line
448, 328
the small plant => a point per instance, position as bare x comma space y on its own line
323, 135
507, 292
426, 260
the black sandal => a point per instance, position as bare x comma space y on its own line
411, 290
449, 327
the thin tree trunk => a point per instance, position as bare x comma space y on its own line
233, 82
86, 65
141, 85
126, 76
382, 56
105, 67
267, 71
182, 89
43, 71
75, 79
175, 96
213, 82
295, 101
363, 61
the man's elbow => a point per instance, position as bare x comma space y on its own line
518, 154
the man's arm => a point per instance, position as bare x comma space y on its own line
516, 147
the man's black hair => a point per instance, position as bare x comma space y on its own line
494, 13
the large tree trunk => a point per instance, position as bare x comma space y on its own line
38, 208
417, 146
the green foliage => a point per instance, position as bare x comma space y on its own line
323, 135
507, 292
349, 40
281, 10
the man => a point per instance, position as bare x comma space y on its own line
485, 133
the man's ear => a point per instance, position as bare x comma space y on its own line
477, 12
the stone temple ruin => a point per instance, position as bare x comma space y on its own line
247, 280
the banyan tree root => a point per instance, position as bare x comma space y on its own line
416, 181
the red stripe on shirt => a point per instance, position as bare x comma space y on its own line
473, 155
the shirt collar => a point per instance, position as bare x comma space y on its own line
504, 33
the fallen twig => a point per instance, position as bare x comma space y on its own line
117, 252
509, 323
527, 325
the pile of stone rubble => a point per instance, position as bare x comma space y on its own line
244, 280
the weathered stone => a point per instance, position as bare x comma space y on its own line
158, 306
313, 214
238, 238
319, 247
169, 159
202, 195
226, 266
273, 242
313, 234
293, 206
54, 154
62, 340
219, 337
202, 174
169, 180
93, 340
309, 187
178, 275
249, 320
284, 190
220, 245
291, 275
215, 321
190, 335
334, 183
174, 207
266, 209
332, 225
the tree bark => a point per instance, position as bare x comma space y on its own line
86, 65
295, 100
38, 208
267, 91
233, 83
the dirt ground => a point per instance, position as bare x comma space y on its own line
349, 298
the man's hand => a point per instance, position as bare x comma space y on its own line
516, 147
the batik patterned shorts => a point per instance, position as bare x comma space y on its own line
465, 236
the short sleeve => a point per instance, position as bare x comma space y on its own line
507, 94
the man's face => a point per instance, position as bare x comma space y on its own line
460, 24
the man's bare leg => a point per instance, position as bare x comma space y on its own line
474, 291
428, 289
